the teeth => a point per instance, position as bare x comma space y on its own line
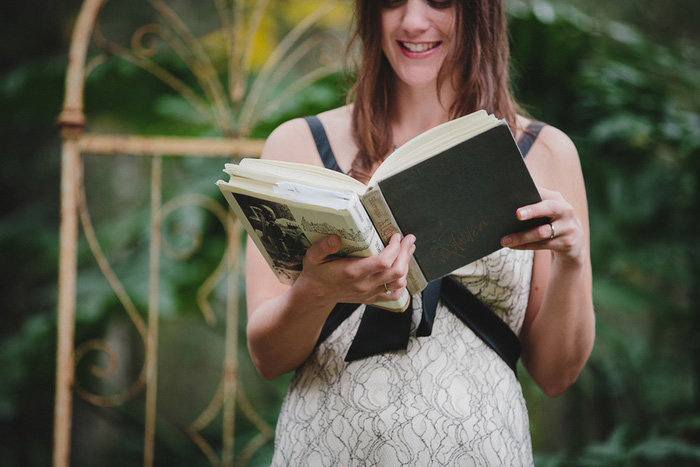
422, 47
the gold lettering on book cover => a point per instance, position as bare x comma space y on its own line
450, 244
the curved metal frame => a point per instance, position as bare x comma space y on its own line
233, 114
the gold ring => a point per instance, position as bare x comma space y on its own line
386, 290
552, 227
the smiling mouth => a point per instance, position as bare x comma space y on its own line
420, 47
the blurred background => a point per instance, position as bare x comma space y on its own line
621, 78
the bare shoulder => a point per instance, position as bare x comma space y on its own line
553, 159
338, 117
556, 143
292, 141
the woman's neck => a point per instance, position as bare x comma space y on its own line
416, 110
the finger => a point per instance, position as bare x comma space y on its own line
543, 233
399, 268
393, 278
393, 247
365, 267
383, 291
408, 247
545, 208
395, 287
389, 291
553, 205
319, 252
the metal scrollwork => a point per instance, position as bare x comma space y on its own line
101, 345
232, 92
234, 113
183, 253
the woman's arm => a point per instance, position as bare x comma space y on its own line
559, 326
285, 322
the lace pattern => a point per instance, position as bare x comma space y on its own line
447, 400
502, 281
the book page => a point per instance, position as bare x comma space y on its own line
272, 171
434, 141
325, 200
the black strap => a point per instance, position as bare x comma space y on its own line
380, 331
430, 296
384, 331
322, 144
529, 136
482, 320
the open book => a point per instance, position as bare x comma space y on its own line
456, 187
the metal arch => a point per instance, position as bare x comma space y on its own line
234, 113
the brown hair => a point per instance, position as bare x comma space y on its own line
477, 62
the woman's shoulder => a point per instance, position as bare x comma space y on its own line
553, 158
338, 118
545, 133
293, 141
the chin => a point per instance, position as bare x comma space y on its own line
419, 77
419, 82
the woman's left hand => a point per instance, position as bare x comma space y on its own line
563, 235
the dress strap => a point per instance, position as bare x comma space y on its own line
482, 320
322, 144
529, 136
385, 331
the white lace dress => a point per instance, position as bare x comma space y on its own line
447, 400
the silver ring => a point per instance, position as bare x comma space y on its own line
552, 227
386, 290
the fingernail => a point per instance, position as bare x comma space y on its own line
523, 213
332, 241
411, 238
506, 241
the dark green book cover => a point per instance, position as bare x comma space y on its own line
460, 202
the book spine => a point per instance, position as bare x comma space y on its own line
386, 226
363, 223
375, 246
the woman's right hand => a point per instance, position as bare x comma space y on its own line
331, 279
285, 322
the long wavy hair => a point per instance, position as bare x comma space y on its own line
477, 63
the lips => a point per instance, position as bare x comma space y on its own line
418, 47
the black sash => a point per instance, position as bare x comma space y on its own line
384, 331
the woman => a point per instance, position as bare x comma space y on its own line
448, 398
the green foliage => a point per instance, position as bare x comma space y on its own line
629, 103
632, 108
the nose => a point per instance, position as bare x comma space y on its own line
415, 16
